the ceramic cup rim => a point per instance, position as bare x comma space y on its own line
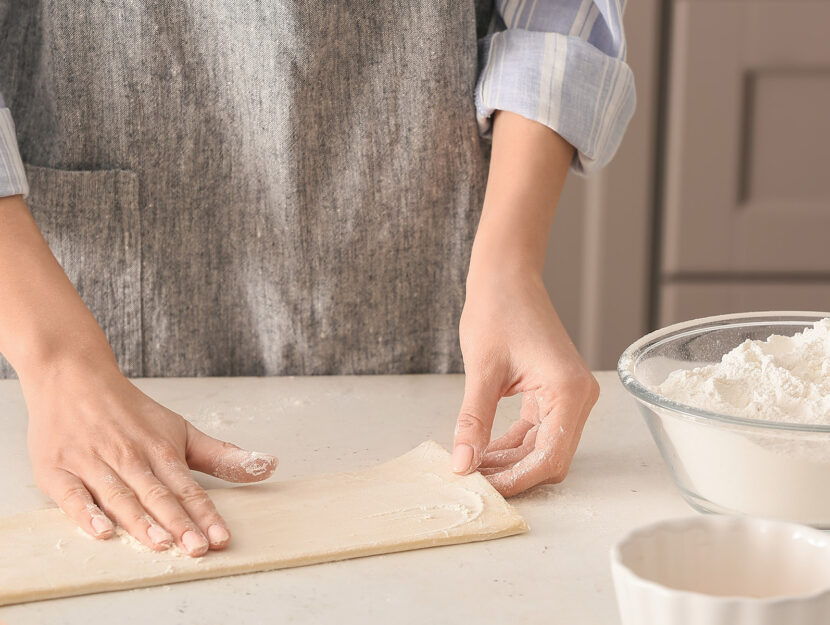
709, 522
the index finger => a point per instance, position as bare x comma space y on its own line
71, 494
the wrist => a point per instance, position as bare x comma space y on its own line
74, 356
502, 267
507, 253
500, 274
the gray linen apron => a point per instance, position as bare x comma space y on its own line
255, 187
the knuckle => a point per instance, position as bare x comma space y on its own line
193, 494
65, 457
165, 452
557, 475
125, 455
587, 386
119, 494
468, 422
75, 496
556, 470
593, 390
156, 494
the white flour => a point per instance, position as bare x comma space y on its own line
770, 473
780, 379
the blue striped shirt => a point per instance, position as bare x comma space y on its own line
558, 62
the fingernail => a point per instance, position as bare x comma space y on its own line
462, 458
159, 535
193, 542
101, 524
217, 534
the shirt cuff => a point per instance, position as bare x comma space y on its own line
12, 175
563, 82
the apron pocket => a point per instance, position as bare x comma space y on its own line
91, 221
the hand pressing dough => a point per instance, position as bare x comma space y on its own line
411, 502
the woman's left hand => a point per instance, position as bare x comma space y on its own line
511, 337
513, 342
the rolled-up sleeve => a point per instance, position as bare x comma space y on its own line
12, 175
560, 63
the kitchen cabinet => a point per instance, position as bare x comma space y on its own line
688, 300
746, 171
746, 203
718, 199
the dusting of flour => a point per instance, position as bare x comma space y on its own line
781, 379
125, 538
234, 463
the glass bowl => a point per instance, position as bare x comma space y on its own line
722, 463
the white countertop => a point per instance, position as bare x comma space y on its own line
557, 573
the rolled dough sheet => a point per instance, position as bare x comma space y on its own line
411, 502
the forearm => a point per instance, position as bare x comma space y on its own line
528, 167
43, 320
511, 338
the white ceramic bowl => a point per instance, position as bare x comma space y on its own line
723, 570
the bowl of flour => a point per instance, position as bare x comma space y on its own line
739, 406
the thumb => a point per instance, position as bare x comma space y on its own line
475, 421
225, 460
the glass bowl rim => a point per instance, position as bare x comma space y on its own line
654, 339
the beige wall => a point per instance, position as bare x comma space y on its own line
599, 253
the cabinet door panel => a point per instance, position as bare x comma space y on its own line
747, 181
684, 301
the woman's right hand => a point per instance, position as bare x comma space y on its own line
100, 448
107, 453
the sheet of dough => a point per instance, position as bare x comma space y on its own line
411, 502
